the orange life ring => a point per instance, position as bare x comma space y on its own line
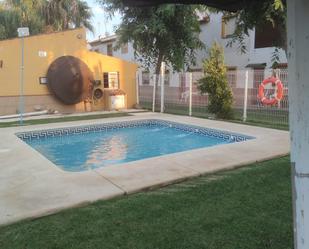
279, 93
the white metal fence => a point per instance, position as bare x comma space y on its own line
181, 96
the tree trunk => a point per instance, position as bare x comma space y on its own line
157, 72
158, 66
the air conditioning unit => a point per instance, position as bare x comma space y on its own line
97, 96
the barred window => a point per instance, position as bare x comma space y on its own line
232, 76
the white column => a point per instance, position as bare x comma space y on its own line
298, 79
246, 96
162, 85
190, 92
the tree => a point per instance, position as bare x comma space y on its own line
18, 13
259, 14
42, 16
250, 13
65, 14
215, 83
9, 21
166, 33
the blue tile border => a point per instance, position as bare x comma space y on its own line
227, 136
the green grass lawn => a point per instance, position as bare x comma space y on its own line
247, 208
64, 119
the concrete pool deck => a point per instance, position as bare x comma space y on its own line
32, 186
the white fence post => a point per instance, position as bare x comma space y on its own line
278, 73
162, 86
190, 94
137, 87
246, 96
154, 93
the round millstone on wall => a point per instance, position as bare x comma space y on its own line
69, 79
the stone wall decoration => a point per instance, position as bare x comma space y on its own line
69, 79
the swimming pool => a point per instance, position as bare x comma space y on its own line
93, 146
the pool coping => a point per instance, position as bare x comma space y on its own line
32, 186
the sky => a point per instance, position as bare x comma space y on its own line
100, 21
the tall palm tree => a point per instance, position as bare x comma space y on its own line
43, 16
65, 14
18, 13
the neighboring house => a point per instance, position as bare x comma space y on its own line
62, 61
107, 45
214, 28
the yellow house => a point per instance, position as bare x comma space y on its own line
40, 51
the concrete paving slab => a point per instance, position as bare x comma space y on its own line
38, 195
32, 186
40, 115
146, 174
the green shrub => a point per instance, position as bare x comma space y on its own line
215, 84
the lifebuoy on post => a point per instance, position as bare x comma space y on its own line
279, 91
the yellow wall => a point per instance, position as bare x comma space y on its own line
99, 63
72, 42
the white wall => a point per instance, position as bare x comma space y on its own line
210, 33
102, 48
263, 55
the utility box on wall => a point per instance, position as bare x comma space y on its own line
114, 99
117, 102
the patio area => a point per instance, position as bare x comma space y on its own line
32, 186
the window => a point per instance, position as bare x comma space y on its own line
145, 78
105, 80
232, 76
258, 76
111, 80
266, 36
110, 49
124, 48
228, 26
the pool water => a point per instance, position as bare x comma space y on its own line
84, 151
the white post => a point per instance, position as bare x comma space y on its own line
298, 78
22, 32
190, 92
154, 93
137, 75
162, 86
21, 94
246, 96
